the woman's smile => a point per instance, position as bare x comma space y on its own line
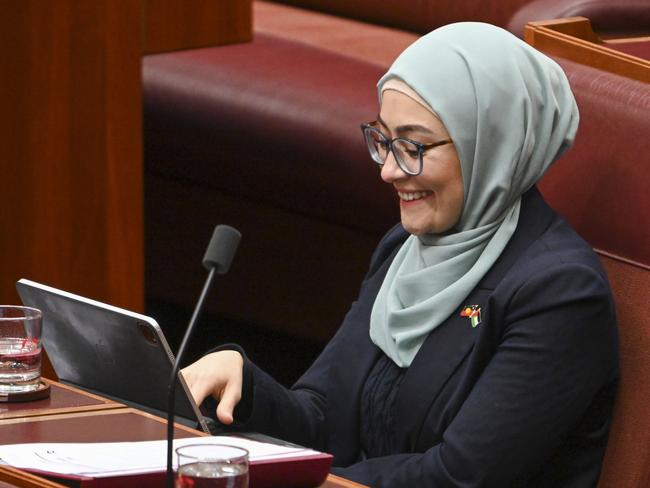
410, 198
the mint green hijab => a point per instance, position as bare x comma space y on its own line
510, 112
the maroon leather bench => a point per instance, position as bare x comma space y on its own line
271, 145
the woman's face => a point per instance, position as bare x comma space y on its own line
432, 201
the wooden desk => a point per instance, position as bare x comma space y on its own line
21, 479
63, 399
15, 478
72, 415
574, 39
114, 425
111, 425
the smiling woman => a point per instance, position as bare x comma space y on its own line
482, 349
432, 200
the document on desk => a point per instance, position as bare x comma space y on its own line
98, 460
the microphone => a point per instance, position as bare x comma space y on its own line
217, 259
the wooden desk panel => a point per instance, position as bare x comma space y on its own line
63, 399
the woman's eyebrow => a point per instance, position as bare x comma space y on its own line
401, 129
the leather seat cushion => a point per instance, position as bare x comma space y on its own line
640, 49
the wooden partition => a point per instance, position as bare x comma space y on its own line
71, 201
71, 148
574, 39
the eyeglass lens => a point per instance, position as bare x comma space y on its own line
406, 153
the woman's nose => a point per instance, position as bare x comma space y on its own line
390, 171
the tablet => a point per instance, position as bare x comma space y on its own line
108, 350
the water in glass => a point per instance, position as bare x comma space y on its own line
20, 364
212, 475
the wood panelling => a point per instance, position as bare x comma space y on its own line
71, 198
71, 177
183, 24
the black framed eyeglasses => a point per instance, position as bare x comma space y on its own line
408, 153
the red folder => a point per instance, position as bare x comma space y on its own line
296, 472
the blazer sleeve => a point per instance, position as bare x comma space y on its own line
556, 351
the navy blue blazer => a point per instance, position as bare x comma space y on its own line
522, 399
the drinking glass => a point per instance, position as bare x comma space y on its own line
212, 466
20, 349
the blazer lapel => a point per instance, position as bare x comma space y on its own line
442, 352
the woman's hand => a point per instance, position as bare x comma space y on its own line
218, 374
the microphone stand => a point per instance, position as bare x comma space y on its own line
173, 377
217, 259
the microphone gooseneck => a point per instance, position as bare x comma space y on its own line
217, 260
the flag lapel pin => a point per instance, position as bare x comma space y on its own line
473, 312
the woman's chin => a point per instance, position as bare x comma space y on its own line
415, 228
419, 227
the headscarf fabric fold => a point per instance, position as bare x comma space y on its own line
510, 112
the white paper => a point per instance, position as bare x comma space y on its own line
116, 458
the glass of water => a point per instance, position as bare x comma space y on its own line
20, 348
212, 466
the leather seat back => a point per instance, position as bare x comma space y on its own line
627, 461
601, 185
601, 188
417, 15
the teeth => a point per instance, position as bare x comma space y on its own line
416, 195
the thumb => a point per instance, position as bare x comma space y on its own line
228, 402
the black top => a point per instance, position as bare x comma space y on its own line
377, 416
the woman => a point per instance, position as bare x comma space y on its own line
482, 350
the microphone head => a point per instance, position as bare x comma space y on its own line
222, 248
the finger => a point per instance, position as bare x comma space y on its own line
198, 389
229, 400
